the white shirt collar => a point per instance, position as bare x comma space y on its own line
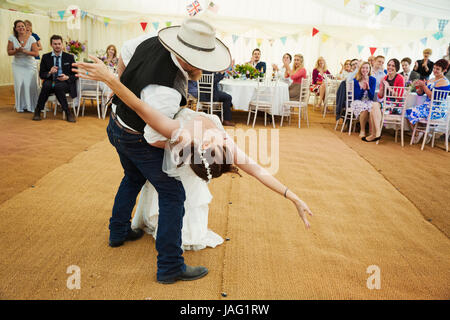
175, 60
54, 54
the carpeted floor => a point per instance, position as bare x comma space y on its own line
371, 203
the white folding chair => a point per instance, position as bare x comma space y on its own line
88, 89
263, 101
53, 101
289, 107
439, 104
330, 93
349, 115
394, 108
206, 86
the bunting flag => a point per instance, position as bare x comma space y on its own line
442, 24
385, 51
424, 41
295, 37
438, 35
426, 22
360, 49
314, 31
346, 2
394, 13
235, 37
259, 42
83, 14
106, 21
74, 12
325, 37
271, 41
155, 25
213, 7
283, 40
378, 9
247, 40
143, 26
193, 8
61, 13
372, 50
348, 46
168, 23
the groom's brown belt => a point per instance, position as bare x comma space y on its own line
113, 115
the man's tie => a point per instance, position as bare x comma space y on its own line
55, 75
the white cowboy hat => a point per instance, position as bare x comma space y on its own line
196, 43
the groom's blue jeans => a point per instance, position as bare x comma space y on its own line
141, 162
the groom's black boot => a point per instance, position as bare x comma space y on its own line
191, 273
132, 235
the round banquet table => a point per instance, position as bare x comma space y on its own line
243, 91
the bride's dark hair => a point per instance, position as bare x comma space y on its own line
218, 163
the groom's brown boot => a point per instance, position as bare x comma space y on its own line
191, 273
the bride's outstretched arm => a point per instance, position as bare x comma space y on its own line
247, 164
154, 118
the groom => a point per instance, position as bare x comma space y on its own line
157, 70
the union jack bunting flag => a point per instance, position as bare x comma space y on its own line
194, 8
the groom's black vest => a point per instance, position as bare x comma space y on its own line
151, 63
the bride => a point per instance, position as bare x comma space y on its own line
199, 150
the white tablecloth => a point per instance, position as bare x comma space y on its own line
243, 91
413, 99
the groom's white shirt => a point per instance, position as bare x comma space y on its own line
164, 99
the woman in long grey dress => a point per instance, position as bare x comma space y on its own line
23, 47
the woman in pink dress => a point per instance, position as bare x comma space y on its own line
318, 77
297, 74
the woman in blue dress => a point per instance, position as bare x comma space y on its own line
421, 112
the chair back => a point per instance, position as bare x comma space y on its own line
349, 88
332, 86
206, 85
439, 108
304, 91
264, 92
394, 104
85, 85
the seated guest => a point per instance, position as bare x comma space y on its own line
193, 88
29, 27
424, 67
392, 79
56, 71
23, 47
346, 69
254, 61
354, 64
422, 111
297, 74
219, 96
110, 59
407, 73
378, 72
281, 73
371, 60
318, 76
363, 94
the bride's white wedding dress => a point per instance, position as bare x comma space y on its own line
195, 232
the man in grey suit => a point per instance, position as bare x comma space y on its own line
407, 73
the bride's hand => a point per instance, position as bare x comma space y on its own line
92, 71
303, 210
